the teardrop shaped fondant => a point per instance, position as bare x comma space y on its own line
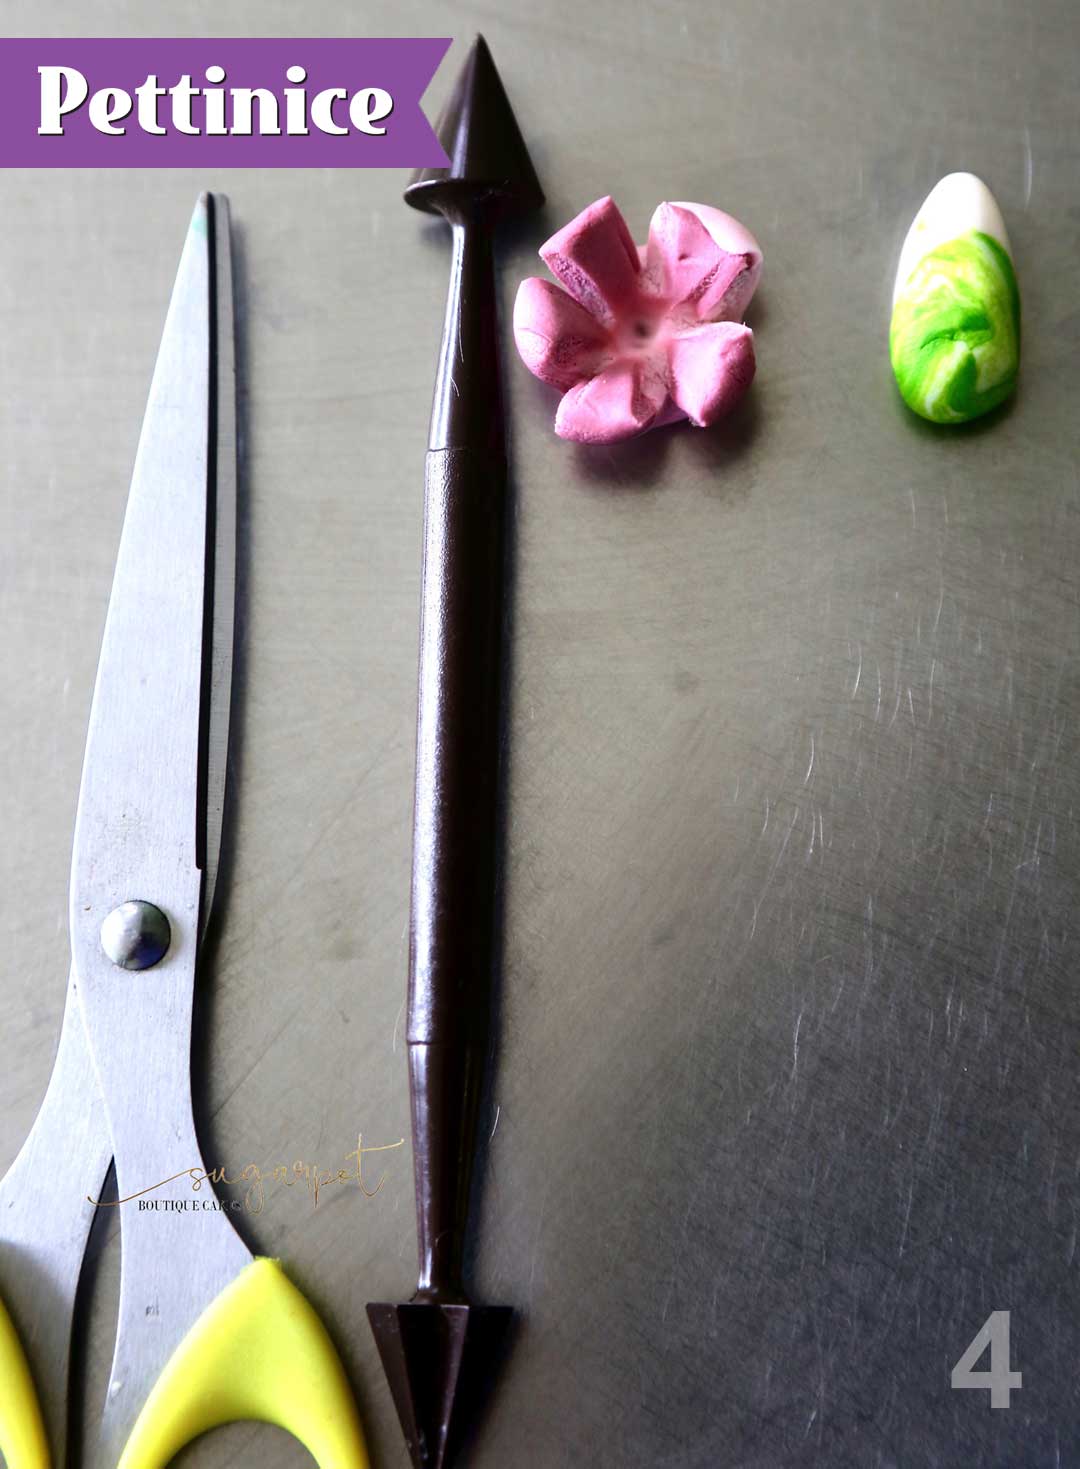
954, 339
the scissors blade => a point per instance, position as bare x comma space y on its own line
45, 1219
223, 547
138, 810
154, 768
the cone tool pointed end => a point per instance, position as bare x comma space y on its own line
438, 1361
488, 156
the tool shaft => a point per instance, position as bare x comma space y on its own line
457, 765
438, 1350
467, 412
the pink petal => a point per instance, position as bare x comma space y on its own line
735, 238
711, 368
619, 402
596, 260
558, 340
687, 261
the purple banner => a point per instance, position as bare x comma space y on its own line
181, 103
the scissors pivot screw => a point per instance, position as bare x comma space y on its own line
136, 935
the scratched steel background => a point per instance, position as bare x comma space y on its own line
788, 1094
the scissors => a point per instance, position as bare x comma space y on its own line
207, 1333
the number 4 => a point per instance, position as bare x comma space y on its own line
1000, 1380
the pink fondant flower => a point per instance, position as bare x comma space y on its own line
635, 338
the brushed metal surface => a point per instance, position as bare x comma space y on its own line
786, 1100
136, 839
46, 1230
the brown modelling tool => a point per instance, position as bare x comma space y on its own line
435, 1348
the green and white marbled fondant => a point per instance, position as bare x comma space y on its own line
955, 333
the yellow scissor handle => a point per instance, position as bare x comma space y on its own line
259, 1351
23, 1444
